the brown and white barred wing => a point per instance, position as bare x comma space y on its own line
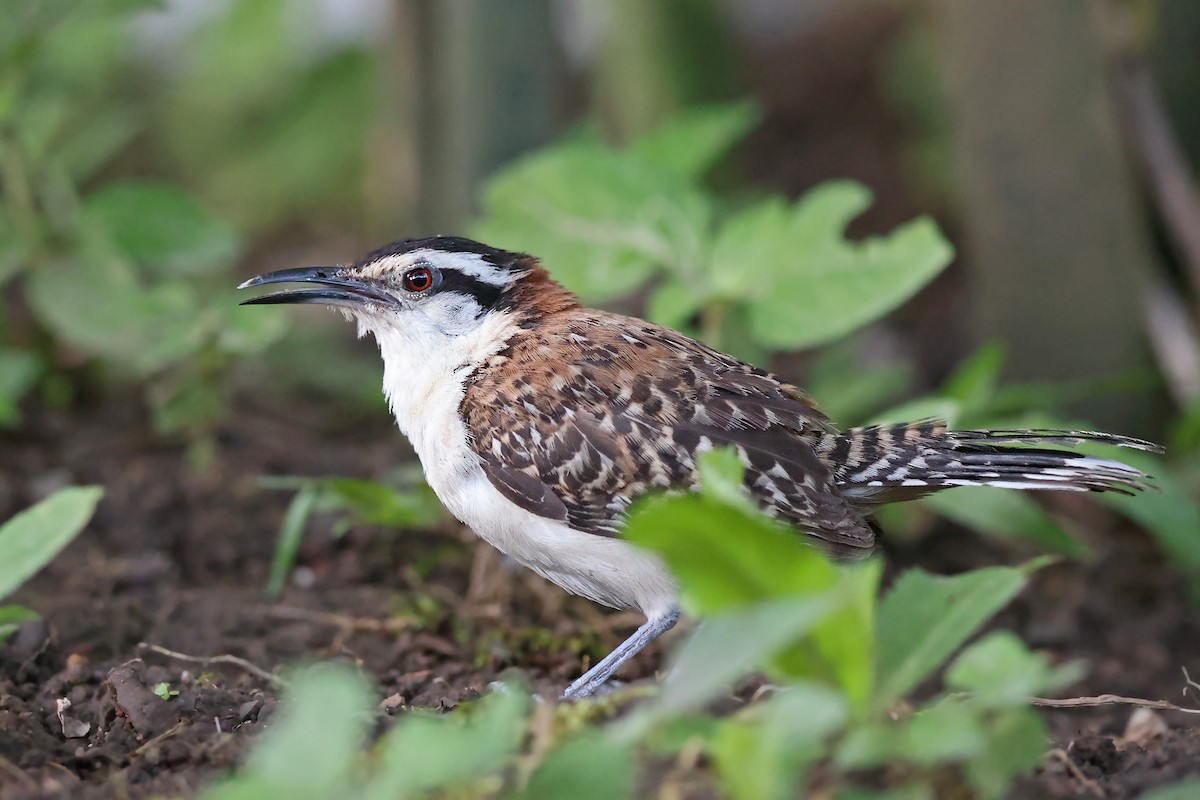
596, 409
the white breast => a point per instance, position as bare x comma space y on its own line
423, 379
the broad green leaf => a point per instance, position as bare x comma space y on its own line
426, 752
1005, 513
33, 537
1000, 671
726, 556
590, 766
311, 750
100, 308
602, 222
812, 285
160, 227
949, 730
19, 370
726, 647
693, 142
764, 752
925, 618
1017, 740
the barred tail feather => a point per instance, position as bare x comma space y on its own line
883, 464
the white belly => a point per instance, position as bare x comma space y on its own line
424, 397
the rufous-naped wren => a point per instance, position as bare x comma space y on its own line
538, 421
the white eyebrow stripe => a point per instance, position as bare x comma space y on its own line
470, 264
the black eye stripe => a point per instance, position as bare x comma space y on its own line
487, 295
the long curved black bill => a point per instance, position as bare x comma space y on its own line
342, 291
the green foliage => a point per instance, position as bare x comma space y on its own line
839, 668
33, 537
133, 273
773, 274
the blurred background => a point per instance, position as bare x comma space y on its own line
155, 153
982, 211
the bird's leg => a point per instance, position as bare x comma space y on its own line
591, 680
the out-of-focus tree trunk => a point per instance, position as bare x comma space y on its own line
1054, 237
487, 91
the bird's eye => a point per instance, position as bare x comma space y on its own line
417, 280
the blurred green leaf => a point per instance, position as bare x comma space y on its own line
727, 556
1005, 513
33, 537
426, 752
19, 370
11, 617
924, 618
374, 503
691, 143
160, 227
101, 309
313, 748
601, 221
1170, 514
1016, 741
999, 670
812, 285
728, 646
974, 383
922, 408
762, 752
590, 766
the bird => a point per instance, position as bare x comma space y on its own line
539, 421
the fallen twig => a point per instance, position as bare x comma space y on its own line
1109, 700
224, 658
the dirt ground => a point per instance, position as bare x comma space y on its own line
176, 560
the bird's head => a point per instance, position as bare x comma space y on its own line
444, 286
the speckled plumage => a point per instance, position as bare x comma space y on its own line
538, 422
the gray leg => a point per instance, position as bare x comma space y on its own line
597, 675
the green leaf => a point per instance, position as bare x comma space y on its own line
814, 286
374, 503
19, 371
33, 537
763, 752
1005, 513
11, 617
727, 647
602, 222
691, 143
311, 751
973, 384
160, 227
425, 752
1017, 739
1170, 513
589, 767
291, 535
99, 307
727, 556
925, 618
999, 670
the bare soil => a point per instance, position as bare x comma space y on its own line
175, 560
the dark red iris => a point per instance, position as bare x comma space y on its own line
418, 280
